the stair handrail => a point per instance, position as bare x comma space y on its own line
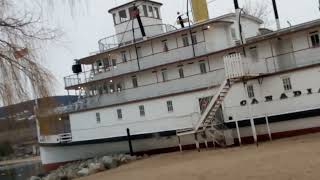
211, 104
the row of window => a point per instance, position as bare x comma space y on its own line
127, 14
142, 111
112, 87
108, 62
287, 86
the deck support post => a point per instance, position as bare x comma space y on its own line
238, 133
196, 141
268, 127
254, 132
180, 146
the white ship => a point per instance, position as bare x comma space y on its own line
159, 88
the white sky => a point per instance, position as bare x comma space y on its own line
83, 30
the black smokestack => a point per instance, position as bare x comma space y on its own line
236, 4
137, 14
274, 3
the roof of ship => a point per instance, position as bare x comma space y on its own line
133, 2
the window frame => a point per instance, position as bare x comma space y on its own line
181, 72
250, 91
203, 67
119, 114
123, 19
194, 39
157, 12
150, 10
98, 118
314, 42
185, 40
145, 10
134, 80
142, 111
287, 83
165, 45
124, 56
170, 106
164, 74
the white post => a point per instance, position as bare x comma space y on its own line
180, 146
268, 127
238, 132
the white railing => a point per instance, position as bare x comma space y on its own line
56, 139
234, 66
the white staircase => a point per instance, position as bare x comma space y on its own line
208, 124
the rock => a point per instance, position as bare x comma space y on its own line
109, 162
95, 167
83, 172
35, 178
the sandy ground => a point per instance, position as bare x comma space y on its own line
287, 159
20, 161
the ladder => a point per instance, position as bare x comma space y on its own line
208, 123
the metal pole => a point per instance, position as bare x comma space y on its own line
129, 141
190, 30
268, 127
238, 132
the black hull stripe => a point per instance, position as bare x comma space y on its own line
231, 125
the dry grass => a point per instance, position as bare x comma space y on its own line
287, 159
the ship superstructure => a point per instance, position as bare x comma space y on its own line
155, 87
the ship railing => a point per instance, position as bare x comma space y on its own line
56, 139
77, 79
125, 38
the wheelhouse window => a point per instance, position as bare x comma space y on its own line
165, 46
185, 40
169, 106
124, 56
142, 110
250, 91
156, 10
315, 40
123, 15
114, 19
164, 73
145, 10
151, 11
203, 67
134, 81
98, 118
287, 84
119, 113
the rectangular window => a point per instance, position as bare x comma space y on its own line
106, 63
287, 84
139, 52
185, 40
151, 11
165, 46
194, 38
157, 12
134, 81
170, 106
254, 53
250, 91
315, 40
119, 113
119, 87
124, 56
131, 13
164, 74
145, 10
233, 33
98, 118
114, 62
203, 67
114, 19
142, 111
123, 15
181, 72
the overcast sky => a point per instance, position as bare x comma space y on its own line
92, 22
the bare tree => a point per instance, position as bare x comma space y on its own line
259, 9
21, 72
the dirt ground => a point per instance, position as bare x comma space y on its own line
20, 161
287, 159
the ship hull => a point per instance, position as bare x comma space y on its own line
54, 156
